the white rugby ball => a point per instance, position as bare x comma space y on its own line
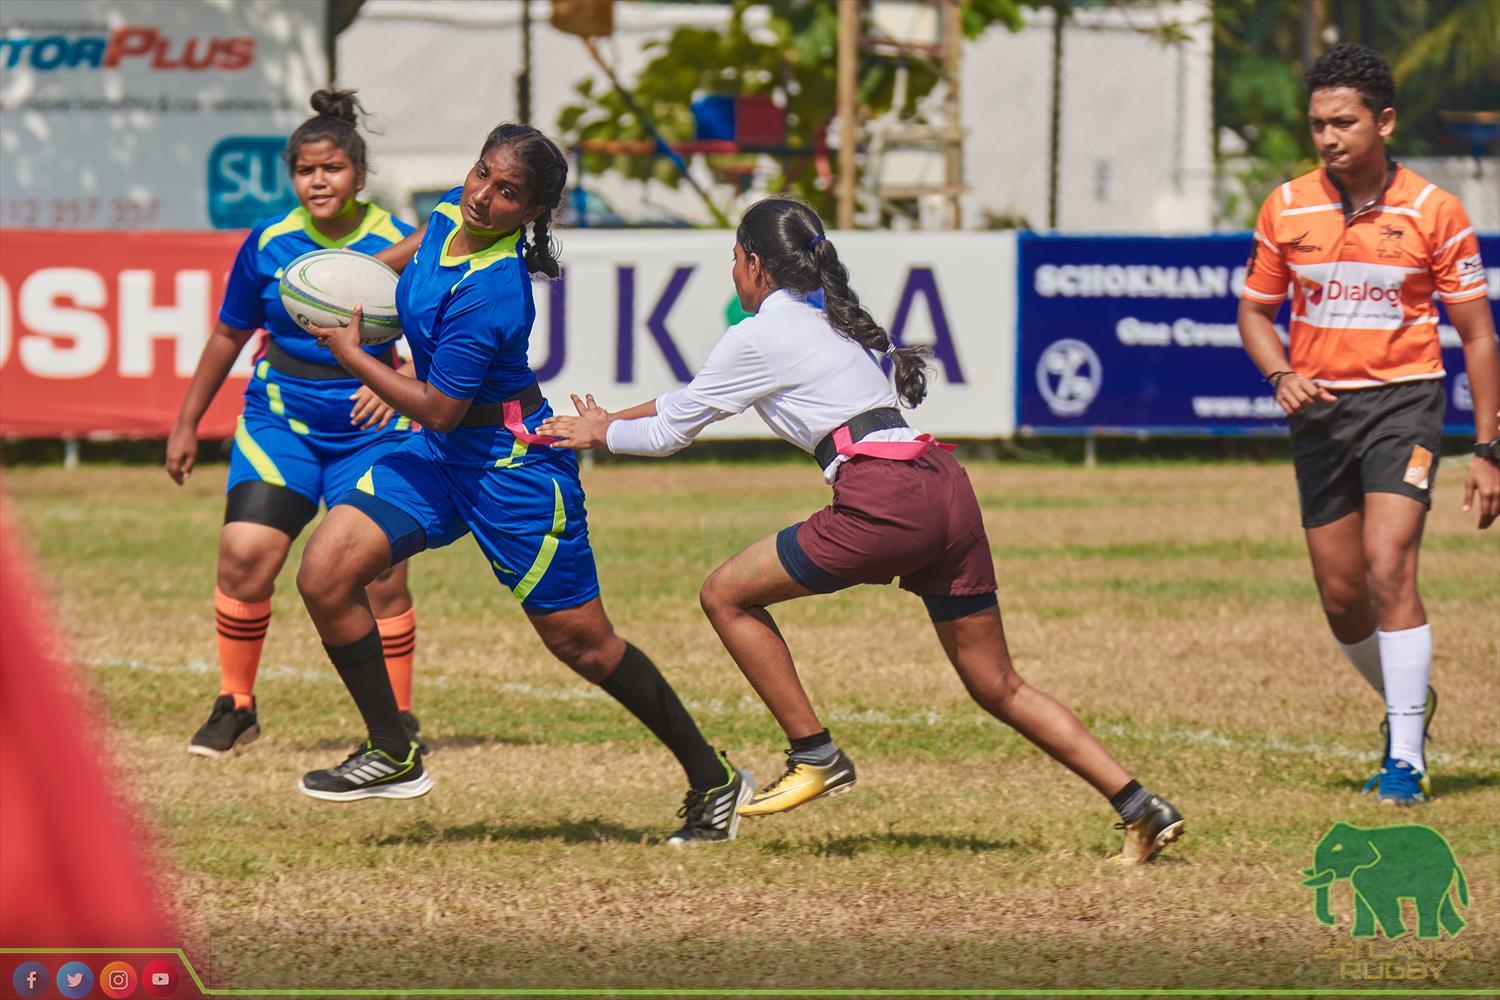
323, 287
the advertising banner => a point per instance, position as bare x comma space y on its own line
100, 332
152, 114
1124, 335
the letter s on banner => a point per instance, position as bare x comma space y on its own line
45, 351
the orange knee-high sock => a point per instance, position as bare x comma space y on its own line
242, 632
398, 634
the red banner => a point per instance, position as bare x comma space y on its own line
100, 331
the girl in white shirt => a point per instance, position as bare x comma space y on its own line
902, 507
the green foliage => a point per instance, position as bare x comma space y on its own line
792, 58
1445, 55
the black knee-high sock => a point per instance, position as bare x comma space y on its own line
640, 687
361, 666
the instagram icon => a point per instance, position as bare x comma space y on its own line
117, 980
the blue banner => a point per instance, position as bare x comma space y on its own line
1137, 334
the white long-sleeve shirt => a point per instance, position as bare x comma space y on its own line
802, 376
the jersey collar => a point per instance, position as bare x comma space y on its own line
1391, 167
374, 215
505, 246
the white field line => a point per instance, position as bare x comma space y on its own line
746, 704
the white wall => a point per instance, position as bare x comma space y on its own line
1137, 153
1137, 119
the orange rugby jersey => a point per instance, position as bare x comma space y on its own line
1363, 281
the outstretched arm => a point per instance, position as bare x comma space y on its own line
590, 429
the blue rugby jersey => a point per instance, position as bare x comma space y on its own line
468, 323
252, 299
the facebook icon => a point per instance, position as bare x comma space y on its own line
30, 979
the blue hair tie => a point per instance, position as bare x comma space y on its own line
815, 241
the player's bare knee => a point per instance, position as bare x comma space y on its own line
245, 572
995, 690
591, 657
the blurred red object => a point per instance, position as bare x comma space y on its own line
74, 871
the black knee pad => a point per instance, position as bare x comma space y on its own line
274, 506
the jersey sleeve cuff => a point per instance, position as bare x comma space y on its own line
1466, 295
1251, 293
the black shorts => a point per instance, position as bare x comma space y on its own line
1381, 440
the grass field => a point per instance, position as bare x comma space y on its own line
1171, 606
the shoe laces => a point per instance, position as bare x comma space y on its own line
693, 805
350, 762
791, 769
1393, 780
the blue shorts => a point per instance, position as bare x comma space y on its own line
527, 514
297, 434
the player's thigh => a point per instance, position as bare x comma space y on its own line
1401, 441
410, 497
531, 525
763, 574
275, 475
1337, 553
1326, 459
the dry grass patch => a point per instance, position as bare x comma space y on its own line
1170, 606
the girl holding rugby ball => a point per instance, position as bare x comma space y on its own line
479, 467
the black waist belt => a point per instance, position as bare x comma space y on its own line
493, 414
313, 372
860, 427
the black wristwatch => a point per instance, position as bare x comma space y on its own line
1489, 451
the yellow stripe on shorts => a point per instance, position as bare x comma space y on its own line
259, 460
544, 555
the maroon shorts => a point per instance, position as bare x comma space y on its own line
918, 520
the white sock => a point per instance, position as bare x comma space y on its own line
1365, 655
1406, 663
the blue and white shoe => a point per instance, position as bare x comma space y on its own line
1399, 784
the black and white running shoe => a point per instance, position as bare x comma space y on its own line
228, 729
370, 773
713, 816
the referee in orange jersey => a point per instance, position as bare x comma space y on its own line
1366, 244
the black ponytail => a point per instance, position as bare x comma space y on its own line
547, 174
336, 121
788, 238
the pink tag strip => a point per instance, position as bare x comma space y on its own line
896, 451
511, 411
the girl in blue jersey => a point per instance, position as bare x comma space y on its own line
309, 429
479, 468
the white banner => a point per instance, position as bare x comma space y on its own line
637, 312
152, 114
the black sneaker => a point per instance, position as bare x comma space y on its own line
413, 730
370, 773
1157, 827
228, 729
713, 816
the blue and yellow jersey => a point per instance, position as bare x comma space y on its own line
252, 299
468, 321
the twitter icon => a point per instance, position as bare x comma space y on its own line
75, 980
